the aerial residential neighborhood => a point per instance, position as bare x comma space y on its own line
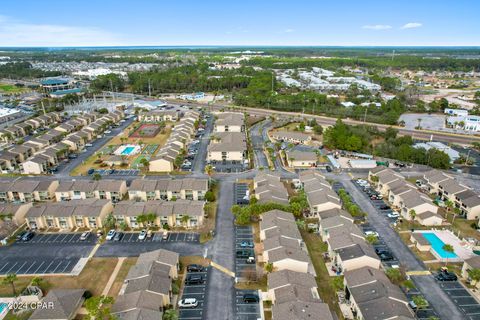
252, 161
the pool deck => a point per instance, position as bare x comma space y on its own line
462, 249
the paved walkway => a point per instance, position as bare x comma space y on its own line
110, 282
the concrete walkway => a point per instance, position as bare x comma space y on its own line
109, 284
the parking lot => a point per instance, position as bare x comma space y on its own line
59, 238
197, 291
242, 268
240, 196
462, 298
130, 237
246, 311
422, 314
36, 265
117, 172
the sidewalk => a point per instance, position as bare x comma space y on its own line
110, 282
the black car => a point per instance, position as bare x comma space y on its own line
194, 279
250, 298
195, 268
328, 168
446, 276
385, 207
20, 235
90, 171
28, 236
245, 253
386, 256
118, 236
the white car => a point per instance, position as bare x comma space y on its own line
371, 233
188, 303
393, 215
111, 234
85, 236
107, 132
142, 235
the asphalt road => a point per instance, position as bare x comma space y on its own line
201, 156
257, 139
219, 300
427, 285
327, 121
65, 168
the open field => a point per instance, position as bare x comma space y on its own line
122, 273
94, 277
10, 88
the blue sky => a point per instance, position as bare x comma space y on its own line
215, 22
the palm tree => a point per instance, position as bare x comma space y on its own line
37, 281
209, 170
412, 213
170, 314
372, 239
420, 302
97, 176
448, 248
449, 205
185, 220
474, 275
151, 217
10, 279
394, 275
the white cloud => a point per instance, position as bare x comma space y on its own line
411, 25
377, 27
289, 30
18, 33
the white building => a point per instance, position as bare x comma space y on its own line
453, 154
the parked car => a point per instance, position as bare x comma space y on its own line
111, 234
142, 235
247, 244
328, 168
250, 298
195, 268
149, 233
88, 145
188, 303
445, 275
371, 233
165, 235
107, 132
28, 236
194, 279
90, 171
250, 260
386, 256
118, 236
245, 253
85, 236
20, 235
384, 207
393, 215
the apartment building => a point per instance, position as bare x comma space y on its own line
301, 159
186, 213
269, 188
159, 116
14, 212
464, 198
229, 122
114, 190
320, 195
372, 296
168, 189
228, 147
148, 286
291, 136
67, 215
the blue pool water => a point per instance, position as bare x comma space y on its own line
3, 307
128, 150
437, 245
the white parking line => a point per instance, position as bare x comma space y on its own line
59, 264
21, 266
26, 272
39, 266
48, 267
11, 267
63, 271
6, 264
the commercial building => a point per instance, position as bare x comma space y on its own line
452, 153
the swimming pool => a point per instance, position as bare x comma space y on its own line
3, 307
437, 246
128, 150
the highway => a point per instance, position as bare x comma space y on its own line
327, 121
